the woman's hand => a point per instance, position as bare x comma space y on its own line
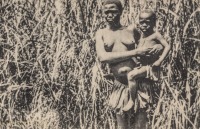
142, 50
156, 49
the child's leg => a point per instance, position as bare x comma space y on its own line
132, 76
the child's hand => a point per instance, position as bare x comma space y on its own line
156, 49
156, 64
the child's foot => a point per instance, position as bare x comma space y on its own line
129, 105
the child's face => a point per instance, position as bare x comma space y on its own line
146, 22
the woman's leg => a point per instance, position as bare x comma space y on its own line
141, 120
123, 120
132, 76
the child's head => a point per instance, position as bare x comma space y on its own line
147, 20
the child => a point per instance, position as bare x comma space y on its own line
149, 63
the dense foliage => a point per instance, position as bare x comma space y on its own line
50, 77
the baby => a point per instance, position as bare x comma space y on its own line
149, 63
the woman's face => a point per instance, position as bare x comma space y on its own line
112, 13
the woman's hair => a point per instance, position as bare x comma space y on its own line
116, 2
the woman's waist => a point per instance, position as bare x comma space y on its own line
122, 68
125, 63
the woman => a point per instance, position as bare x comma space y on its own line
115, 45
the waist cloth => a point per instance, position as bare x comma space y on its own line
120, 95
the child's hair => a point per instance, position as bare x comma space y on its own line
151, 13
116, 2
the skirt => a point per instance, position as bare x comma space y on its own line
120, 95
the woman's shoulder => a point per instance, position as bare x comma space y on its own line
100, 32
135, 31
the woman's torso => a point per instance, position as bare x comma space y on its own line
119, 41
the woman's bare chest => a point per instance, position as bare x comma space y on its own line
119, 40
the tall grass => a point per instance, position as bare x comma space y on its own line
50, 76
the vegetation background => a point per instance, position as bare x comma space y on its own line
50, 77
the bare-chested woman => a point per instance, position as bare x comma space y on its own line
116, 45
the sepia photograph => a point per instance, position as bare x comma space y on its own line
99, 64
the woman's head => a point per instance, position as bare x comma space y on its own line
112, 10
116, 2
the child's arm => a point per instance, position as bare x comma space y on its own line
163, 42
